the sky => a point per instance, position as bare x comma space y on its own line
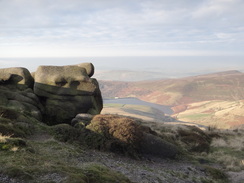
192, 29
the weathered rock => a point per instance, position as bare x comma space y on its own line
66, 91
63, 91
155, 146
82, 118
16, 76
16, 92
62, 80
89, 68
86, 117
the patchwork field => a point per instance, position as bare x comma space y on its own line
216, 113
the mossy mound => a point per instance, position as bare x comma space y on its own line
66, 133
124, 129
115, 133
127, 136
16, 123
118, 134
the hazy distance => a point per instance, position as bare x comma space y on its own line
138, 68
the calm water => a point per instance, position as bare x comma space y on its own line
136, 101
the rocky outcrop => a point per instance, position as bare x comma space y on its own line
55, 93
16, 76
16, 92
66, 91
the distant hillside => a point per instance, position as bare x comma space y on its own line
227, 85
127, 75
216, 113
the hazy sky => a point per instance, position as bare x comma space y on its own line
44, 28
95, 28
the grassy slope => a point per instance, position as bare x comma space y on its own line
40, 157
31, 151
44, 159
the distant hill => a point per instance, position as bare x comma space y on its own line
227, 85
126, 75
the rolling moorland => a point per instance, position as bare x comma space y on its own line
111, 148
212, 100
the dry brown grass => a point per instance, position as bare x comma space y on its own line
122, 128
228, 149
128, 135
3, 138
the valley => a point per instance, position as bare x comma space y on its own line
212, 100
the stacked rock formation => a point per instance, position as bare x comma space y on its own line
54, 94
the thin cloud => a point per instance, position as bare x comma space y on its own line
108, 27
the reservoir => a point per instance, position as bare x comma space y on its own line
135, 101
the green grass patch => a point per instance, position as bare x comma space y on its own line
195, 116
53, 161
228, 151
96, 173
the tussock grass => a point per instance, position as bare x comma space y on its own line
228, 149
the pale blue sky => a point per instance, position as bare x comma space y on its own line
195, 30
